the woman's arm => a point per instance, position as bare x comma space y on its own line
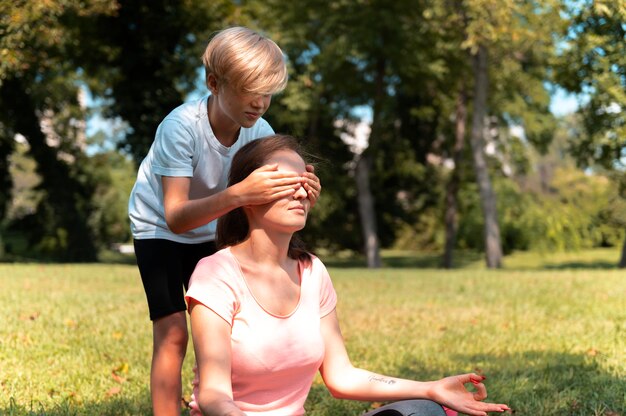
211, 342
347, 382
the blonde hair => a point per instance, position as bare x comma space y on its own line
245, 60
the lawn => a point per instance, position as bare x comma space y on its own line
549, 332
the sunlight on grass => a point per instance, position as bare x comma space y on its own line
76, 339
587, 259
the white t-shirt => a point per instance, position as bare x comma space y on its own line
184, 146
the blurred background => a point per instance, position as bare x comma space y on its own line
440, 126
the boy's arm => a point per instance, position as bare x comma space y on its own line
263, 185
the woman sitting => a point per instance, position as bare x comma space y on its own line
264, 322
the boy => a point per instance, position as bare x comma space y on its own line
181, 188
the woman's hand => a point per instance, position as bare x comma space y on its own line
312, 184
451, 392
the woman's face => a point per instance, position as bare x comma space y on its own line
286, 214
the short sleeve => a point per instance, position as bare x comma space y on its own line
264, 129
173, 149
214, 284
328, 296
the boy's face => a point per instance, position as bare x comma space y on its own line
240, 108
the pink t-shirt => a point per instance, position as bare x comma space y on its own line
274, 358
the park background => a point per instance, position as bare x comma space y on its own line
472, 160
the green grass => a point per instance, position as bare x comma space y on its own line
549, 332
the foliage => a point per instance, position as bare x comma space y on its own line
355, 56
25, 180
575, 214
407, 61
39, 100
593, 63
122, 50
549, 340
115, 175
144, 58
30, 29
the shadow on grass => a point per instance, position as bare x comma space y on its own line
599, 265
122, 406
553, 383
404, 260
533, 383
466, 259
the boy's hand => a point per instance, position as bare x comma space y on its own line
312, 184
267, 184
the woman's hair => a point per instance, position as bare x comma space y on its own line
233, 227
245, 60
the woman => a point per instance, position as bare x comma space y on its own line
263, 317
181, 188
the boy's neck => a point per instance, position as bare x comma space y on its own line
224, 129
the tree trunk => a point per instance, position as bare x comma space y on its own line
7, 144
622, 260
455, 178
367, 212
65, 195
493, 248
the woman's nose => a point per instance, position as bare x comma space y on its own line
300, 193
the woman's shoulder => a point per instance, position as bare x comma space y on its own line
222, 258
221, 265
216, 283
314, 264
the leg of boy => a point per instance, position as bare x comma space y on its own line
165, 268
169, 347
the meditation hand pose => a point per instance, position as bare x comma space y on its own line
264, 322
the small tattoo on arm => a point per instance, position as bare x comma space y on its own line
382, 379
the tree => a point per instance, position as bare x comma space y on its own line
507, 87
504, 42
493, 246
355, 56
593, 64
39, 91
452, 189
144, 58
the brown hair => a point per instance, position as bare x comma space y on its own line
233, 227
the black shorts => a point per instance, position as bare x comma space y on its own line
165, 267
